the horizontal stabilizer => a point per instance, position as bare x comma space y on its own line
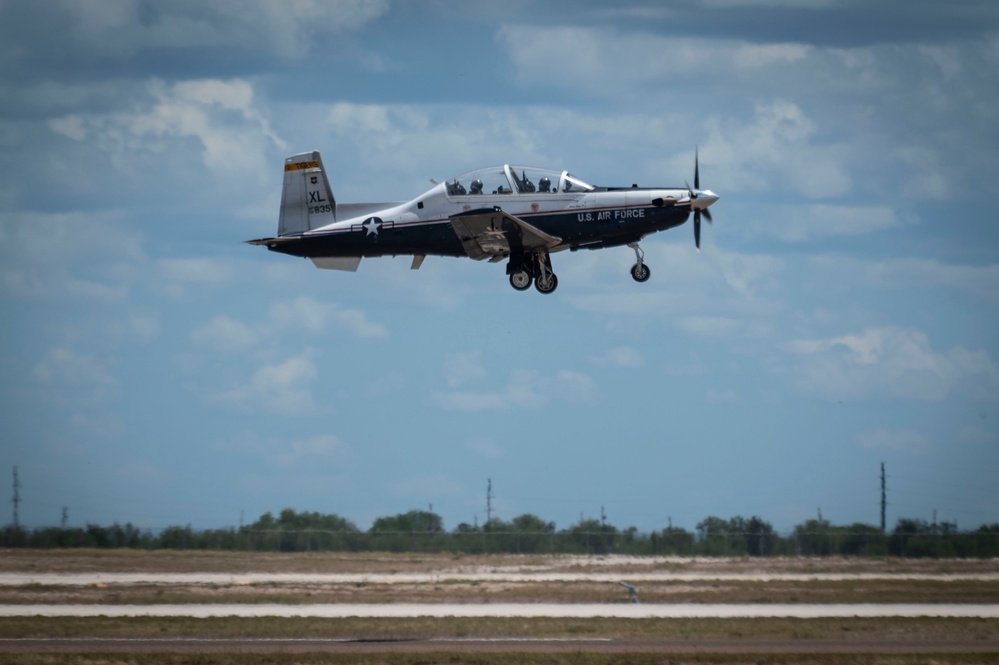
273, 242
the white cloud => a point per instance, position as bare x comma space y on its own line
797, 223
906, 441
484, 447
893, 362
319, 446
982, 280
462, 368
40, 256
220, 115
61, 366
281, 388
314, 316
525, 389
223, 333
621, 356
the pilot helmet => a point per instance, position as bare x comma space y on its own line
545, 185
476, 187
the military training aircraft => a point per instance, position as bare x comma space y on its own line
514, 213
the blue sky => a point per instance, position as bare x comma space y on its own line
842, 311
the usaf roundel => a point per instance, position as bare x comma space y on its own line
371, 226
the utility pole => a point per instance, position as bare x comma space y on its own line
489, 501
884, 497
17, 499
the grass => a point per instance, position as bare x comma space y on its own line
886, 629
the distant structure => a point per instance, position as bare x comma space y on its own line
884, 497
489, 501
17, 499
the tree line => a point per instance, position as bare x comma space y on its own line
423, 531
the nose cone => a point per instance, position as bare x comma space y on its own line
703, 199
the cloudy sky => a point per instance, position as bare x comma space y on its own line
842, 311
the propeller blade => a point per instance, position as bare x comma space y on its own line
697, 229
697, 172
707, 215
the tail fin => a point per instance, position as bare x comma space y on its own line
307, 201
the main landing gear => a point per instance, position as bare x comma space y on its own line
535, 268
639, 272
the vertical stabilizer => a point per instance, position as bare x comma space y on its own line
307, 200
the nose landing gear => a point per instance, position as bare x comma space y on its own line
639, 272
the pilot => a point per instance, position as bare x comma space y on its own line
545, 185
476, 187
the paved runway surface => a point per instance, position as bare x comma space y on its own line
521, 610
83, 579
480, 646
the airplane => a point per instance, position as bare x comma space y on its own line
514, 213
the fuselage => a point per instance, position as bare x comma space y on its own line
581, 215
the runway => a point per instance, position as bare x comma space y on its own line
228, 579
478, 646
520, 610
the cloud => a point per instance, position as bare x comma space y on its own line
525, 389
221, 116
893, 362
905, 441
223, 333
977, 436
808, 222
177, 275
61, 366
462, 368
121, 29
319, 446
314, 316
919, 273
484, 448
281, 388
621, 356
89, 256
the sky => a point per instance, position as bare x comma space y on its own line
843, 311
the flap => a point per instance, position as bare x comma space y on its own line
492, 233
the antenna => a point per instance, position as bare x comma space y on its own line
883, 497
17, 498
489, 501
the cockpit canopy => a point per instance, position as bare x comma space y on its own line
515, 180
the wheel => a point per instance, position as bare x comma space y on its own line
640, 273
520, 280
548, 285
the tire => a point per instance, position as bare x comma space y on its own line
640, 273
549, 287
520, 280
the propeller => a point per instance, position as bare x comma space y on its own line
694, 193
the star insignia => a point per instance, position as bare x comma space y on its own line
371, 225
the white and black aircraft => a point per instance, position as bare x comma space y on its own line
513, 213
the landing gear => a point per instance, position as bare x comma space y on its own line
520, 280
639, 272
529, 268
545, 280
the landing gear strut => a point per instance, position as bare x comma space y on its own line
639, 272
545, 280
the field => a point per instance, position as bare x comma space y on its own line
199, 578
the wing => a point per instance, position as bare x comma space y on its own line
490, 233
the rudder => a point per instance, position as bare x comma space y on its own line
307, 199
